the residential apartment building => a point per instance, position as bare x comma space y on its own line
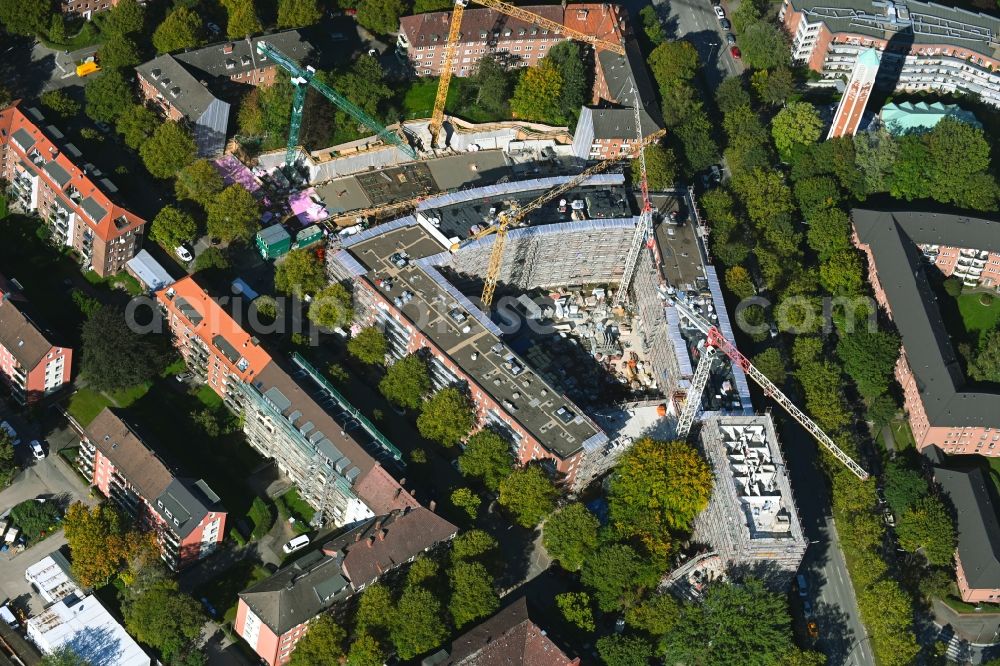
78, 204
31, 365
183, 98
216, 348
975, 267
239, 61
751, 517
274, 614
89, 630
924, 46
943, 410
186, 514
86, 8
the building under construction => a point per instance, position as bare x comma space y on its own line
751, 518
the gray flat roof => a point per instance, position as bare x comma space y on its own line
213, 60
901, 268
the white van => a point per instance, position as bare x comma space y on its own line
297, 543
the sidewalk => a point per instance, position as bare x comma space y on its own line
980, 629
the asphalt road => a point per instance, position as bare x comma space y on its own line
695, 21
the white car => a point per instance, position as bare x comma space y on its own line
183, 253
37, 450
720, 12
297, 543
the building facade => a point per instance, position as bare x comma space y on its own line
86, 8
31, 365
238, 62
977, 558
923, 46
274, 614
186, 514
852, 105
46, 177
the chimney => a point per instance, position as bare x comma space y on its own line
378, 523
228, 48
357, 537
399, 489
432, 505
371, 541
381, 534
329, 549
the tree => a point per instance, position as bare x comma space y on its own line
365, 651
332, 306
744, 619
621, 650
108, 96
124, 18
493, 83
114, 356
300, 272
199, 181
926, 525
575, 607
374, 610
64, 656
655, 615
164, 617
985, 362
658, 487
425, 6
298, 13
100, 543
472, 593
528, 494
775, 86
467, 501
472, 544
699, 148
956, 152
765, 46
136, 124
765, 196
213, 257
618, 576
35, 518
661, 168
447, 417
172, 227
60, 103
25, 18
651, 25
772, 364
887, 611
746, 15
381, 16
262, 517
168, 150
119, 52
672, 62
797, 123
829, 232
817, 194
416, 625
570, 535
323, 644
487, 456
739, 282
8, 463
842, 274
365, 83
869, 358
538, 93
233, 215
731, 95
242, 19
181, 29
569, 60
406, 382
368, 346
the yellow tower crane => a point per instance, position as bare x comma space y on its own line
455, 30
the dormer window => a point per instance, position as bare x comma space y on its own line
156, 73
245, 60
165, 82
230, 63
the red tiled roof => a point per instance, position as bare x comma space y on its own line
381, 493
392, 540
116, 220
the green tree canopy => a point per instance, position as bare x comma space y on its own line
816, 194
368, 346
569, 60
739, 282
672, 62
108, 96
765, 46
869, 358
216, 258
233, 215
842, 274
623, 650
570, 535
162, 616
447, 417
467, 501
298, 13
172, 227
366, 651
64, 656
661, 168
746, 15
538, 93
381, 16
199, 181
119, 52
323, 644
124, 18
300, 272
25, 18
651, 25
417, 624
114, 356
406, 382
472, 593
8, 462
375, 610
797, 123
655, 615
528, 494
170, 149
60, 103
575, 607
618, 576
927, 526
101, 543
332, 306
493, 83
731, 95
775, 86
985, 362
698, 147
181, 29
242, 19
487, 456
472, 544
136, 124
829, 232
364, 83
772, 363
425, 6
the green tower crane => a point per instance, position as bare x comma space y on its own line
302, 78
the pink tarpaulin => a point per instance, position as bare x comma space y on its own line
308, 207
233, 171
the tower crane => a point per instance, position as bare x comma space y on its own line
302, 79
716, 342
455, 30
518, 213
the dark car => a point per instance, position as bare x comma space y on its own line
735, 50
730, 38
726, 25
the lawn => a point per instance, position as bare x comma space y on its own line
86, 34
208, 397
221, 592
290, 505
902, 435
122, 281
977, 317
86, 403
418, 102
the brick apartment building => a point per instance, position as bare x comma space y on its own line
977, 558
944, 411
77, 204
31, 365
186, 514
217, 349
607, 126
87, 8
274, 614
924, 46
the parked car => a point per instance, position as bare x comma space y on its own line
297, 543
37, 450
807, 608
730, 39
9, 429
803, 585
213, 28
720, 12
735, 51
183, 253
725, 24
